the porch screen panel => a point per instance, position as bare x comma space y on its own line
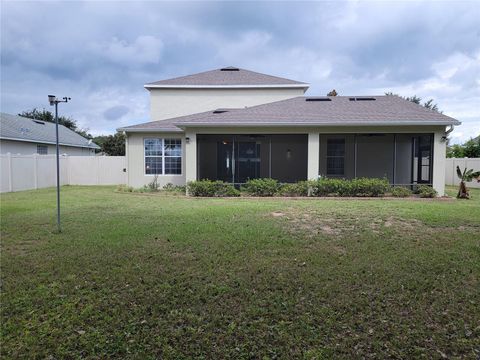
403, 170
375, 156
422, 159
289, 157
337, 156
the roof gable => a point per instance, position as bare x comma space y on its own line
228, 77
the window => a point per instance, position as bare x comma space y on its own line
335, 157
42, 149
163, 156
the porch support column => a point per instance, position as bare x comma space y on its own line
190, 156
313, 155
439, 159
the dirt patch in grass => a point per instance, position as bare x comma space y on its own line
311, 223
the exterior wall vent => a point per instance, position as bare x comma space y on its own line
318, 99
362, 99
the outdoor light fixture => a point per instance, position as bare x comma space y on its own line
187, 140
52, 99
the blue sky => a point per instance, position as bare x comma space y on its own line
102, 53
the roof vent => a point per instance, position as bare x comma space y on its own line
39, 122
220, 111
317, 99
362, 99
230, 68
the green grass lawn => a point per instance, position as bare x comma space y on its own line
148, 276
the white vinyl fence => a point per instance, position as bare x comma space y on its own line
25, 172
451, 170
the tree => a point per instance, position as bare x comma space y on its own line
418, 100
470, 149
466, 175
45, 115
113, 145
332, 93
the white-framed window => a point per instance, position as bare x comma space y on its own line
42, 149
163, 156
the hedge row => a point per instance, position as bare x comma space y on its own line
322, 187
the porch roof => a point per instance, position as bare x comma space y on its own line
385, 110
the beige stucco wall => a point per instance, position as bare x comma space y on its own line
29, 148
135, 151
136, 176
169, 103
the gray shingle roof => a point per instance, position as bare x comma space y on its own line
299, 111
227, 77
16, 127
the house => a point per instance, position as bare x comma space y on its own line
233, 125
24, 136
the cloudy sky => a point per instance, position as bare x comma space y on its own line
102, 53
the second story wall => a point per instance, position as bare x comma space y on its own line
173, 102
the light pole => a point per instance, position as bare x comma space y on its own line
52, 99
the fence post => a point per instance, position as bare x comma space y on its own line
10, 181
35, 172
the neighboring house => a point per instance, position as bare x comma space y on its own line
233, 125
21, 135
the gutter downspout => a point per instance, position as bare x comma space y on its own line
445, 137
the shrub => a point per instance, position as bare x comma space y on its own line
400, 191
124, 188
210, 188
354, 187
153, 185
297, 189
326, 186
426, 191
261, 187
174, 188
369, 187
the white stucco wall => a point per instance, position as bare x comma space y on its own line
136, 176
135, 151
169, 103
29, 148
439, 160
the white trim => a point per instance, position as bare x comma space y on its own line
183, 125
162, 157
312, 124
47, 142
179, 131
271, 86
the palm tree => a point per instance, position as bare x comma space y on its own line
466, 175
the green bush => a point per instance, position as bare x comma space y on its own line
210, 188
400, 191
426, 191
326, 186
174, 188
297, 189
354, 187
369, 187
261, 187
